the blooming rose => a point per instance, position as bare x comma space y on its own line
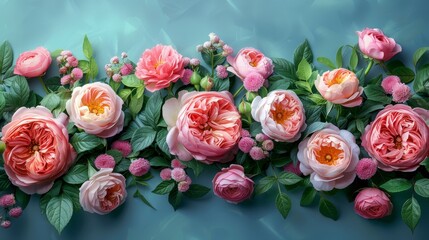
160, 66
232, 185
281, 115
202, 125
330, 155
96, 109
374, 44
103, 192
37, 149
33, 63
398, 138
340, 86
249, 60
372, 203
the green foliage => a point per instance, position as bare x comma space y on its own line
396, 185
411, 213
328, 209
83, 142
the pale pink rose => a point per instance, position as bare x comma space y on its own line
340, 86
250, 60
160, 66
37, 149
372, 203
202, 125
330, 157
281, 115
374, 44
96, 109
33, 63
398, 138
232, 185
103, 192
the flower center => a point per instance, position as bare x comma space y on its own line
35, 148
279, 114
158, 63
328, 155
398, 142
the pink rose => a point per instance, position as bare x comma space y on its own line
374, 44
160, 66
372, 203
96, 109
202, 125
398, 138
281, 115
33, 63
103, 192
330, 155
37, 149
250, 60
232, 185
340, 86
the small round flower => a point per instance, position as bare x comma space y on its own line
126, 69
76, 74
7, 200
401, 93
186, 79
63, 70
290, 167
221, 72
183, 186
246, 143
178, 174
165, 174
71, 60
366, 168
256, 153
186, 61
194, 62
66, 79
66, 53
124, 55
15, 212
139, 167
207, 44
389, 83
5, 224
232, 184
122, 146
260, 137
177, 164
104, 161
372, 203
245, 133
268, 145
227, 50
253, 82
117, 77
114, 60
188, 180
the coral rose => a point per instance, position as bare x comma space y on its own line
33, 63
250, 60
96, 109
202, 125
103, 192
374, 44
160, 66
232, 185
281, 115
340, 86
398, 138
372, 203
330, 155
37, 149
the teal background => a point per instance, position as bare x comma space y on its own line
274, 27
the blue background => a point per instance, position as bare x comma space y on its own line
274, 27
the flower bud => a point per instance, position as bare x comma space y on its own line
244, 108
195, 78
207, 83
250, 96
2, 146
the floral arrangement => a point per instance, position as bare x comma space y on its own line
354, 124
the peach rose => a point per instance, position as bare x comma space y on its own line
281, 115
160, 66
374, 44
103, 192
232, 185
96, 109
249, 60
202, 125
340, 86
37, 149
372, 203
398, 138
33, 63
330, 155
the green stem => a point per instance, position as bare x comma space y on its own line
368, 68
338, 112
275, 174
212, 63
170, 90
384, 67
43, 85
238, 91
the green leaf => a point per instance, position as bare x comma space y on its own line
132, 81
354, 59
175, 198
339, 57
22, 199
158, 161
422, 76
140, 196
255, 128
55, 189
283, 204
265, 184
73, 192
4, 181
304, 86
140, 91
18, 94
377, 94
196, 191
52, 83
117, 155
56, 53
304, 70
303, 51
59, 211
308, 196
284, 68
152, 110
164, 187
6, 57
314, 127
421, 187
317, 99
360, 125
328, 209
404, 73
161, 141
51, 101
84, 65
425, 163
418, 54
279, 84
396, 185
91, 170
195, 165
411, 213
221, 84
85, 142
87, 48
288, 178
123, 165
326, 61
417, 101
135, 104
142, 138
367, 110
125, 93
77, 174
93, 68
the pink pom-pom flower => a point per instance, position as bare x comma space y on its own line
165, 174
401, 93
366, 168
178, 174
139, 167
389, 83
15, 212
122, 146
177, 164
253, 82
256, 153
104, 161
7, 200
245, 144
